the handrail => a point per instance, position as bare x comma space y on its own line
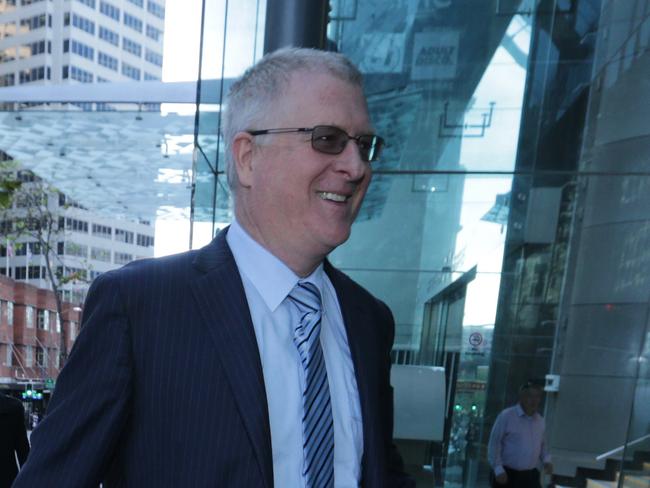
620, 448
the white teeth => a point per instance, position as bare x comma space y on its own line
332, 196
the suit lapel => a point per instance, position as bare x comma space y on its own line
221, 299
357, 329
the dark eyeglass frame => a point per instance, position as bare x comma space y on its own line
370, 145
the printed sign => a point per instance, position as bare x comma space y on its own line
475, 339
435, 55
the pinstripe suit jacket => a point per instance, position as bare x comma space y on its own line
164, 386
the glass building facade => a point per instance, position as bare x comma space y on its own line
508, 223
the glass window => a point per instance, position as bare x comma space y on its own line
153, 33
100, 254
41, 357
109, 36
7, 80
123, 258
156, 9
29, 316
7, 29
133, 22
33, 23
139, 3
102, 231
109, 10
109, 62
8, 5
35, 74
145, 241
83, 50
130, 71
43, 319
76, 224
10, 313
150, 77
8, 54
38, 47
131, 46
89, 3
34, 273
29, 356
83, 24
153, 57
124, 236
74, 249
75, 273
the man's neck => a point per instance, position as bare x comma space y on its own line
301, 265
528, 414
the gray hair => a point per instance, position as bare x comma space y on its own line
251, 97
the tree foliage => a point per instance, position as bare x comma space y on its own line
9, 184
37, 219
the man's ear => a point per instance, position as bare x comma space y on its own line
242, 153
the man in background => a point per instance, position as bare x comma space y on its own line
516, 447
13, 439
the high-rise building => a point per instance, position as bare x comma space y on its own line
68, 41
80, 41
83, 243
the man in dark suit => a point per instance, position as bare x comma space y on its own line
251, 362
13, 439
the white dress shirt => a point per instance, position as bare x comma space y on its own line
267, 284
517, 441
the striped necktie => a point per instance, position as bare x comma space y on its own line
317, 423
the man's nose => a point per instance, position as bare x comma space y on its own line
350, 162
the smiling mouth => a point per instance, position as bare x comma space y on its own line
333, 197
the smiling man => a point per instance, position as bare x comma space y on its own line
251, 362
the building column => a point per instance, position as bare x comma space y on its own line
296, 23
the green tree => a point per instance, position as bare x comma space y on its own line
9, 184
38, 217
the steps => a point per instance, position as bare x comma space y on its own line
601, 484
636, 481
630, 481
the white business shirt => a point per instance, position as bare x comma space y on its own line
267, 284
517, 441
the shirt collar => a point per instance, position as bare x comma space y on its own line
521, 413
271, 277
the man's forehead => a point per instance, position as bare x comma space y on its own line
320, 98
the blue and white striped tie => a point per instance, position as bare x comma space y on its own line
317, 424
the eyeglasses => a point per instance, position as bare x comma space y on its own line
332, 140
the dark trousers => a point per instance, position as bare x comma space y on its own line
519, 479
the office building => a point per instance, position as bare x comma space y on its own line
84, 244
85, 41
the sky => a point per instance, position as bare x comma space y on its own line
182, 38
180, 63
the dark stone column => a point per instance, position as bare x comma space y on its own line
296, 23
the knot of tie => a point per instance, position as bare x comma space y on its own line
306, 298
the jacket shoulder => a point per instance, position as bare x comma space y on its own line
10, 404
